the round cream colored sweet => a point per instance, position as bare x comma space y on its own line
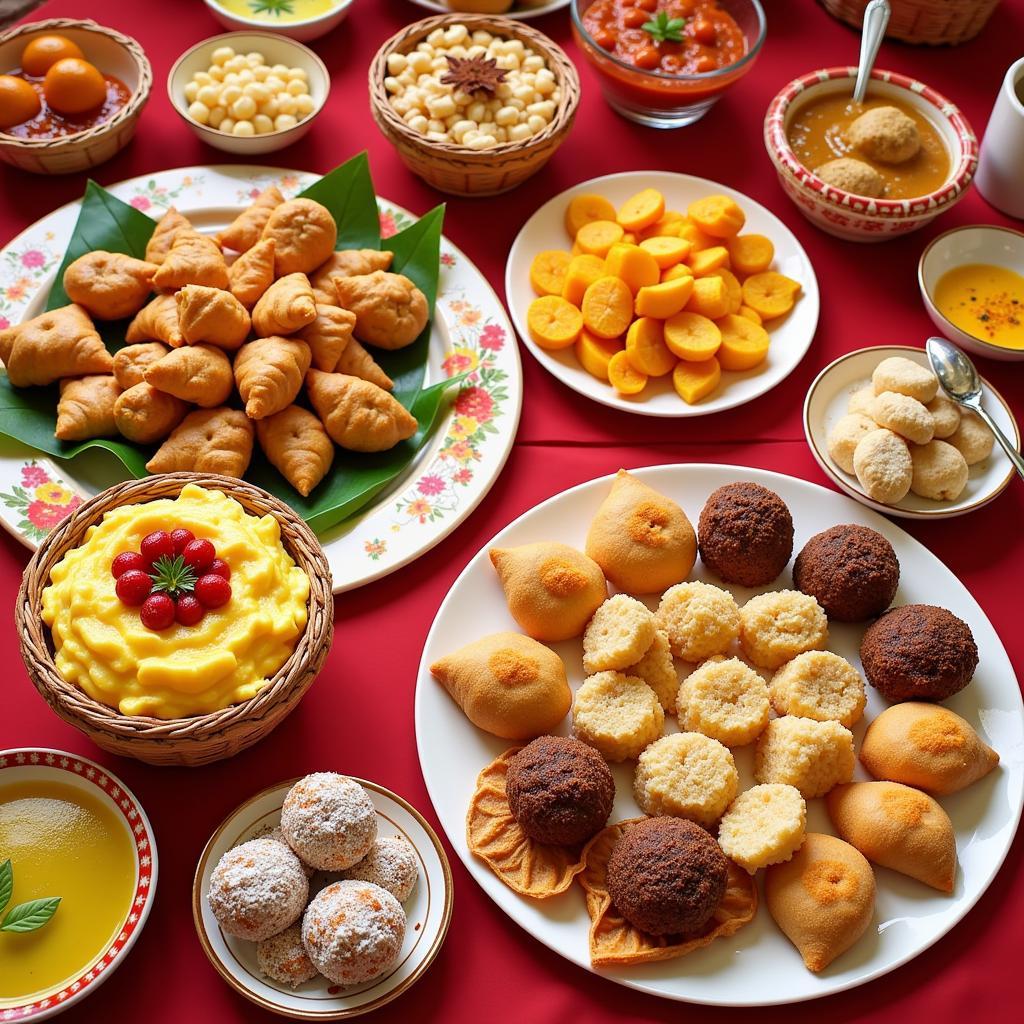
860, 401
777, 626
904, 376
844, 437
700, 620
972, 439
102, 646
940, 471
764, 825
903, 415
617, 714
725, 699
819, 685
882, 463
945, 415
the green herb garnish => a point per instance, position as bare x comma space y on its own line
664, 29
172, 576
272, 6
25, 917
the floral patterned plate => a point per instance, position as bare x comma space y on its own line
445, 483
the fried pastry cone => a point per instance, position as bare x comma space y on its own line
390, 310
297, 445
156, 321
245, 230
213, 316
59, 343
285, 307
166, 230
252, 273
109, 285
269, 374
358, 415
132, 361
144, 415
86, 408
207, 441
347, 263
193, 259
304, 234
328, 335
200, 374
357, 362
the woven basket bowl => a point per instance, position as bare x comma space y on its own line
457, 169
933, 22
114, 54
180, 741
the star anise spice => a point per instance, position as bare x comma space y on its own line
474, 74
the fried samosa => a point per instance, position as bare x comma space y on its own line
59, 343
390, 310
193, 259
86, 408
132, 361
166, 230
156, 321
269, 374
207, 441
347, 263
145, 415
200, 374
304, 234
358, 415
213, 316
252, 273
285, 307
328, 335
245, 230
109, 285
357, 362
297, 445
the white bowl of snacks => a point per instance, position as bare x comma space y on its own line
249, 92
298, 19
972, 283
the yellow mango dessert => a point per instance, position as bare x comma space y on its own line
146, 621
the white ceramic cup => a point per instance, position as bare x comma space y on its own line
1000, 177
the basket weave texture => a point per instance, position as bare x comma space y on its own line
933, 22
457, 169
180, 741
95, 145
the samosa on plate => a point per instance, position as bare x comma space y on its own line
207, 441
269, 374
156, 321
86, 408
252, 273
58, 343
297, 446
285, 307
200, 374
245, 230
358, 415
328, 335
213, 316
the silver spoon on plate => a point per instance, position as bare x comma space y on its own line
960, 380
876, 19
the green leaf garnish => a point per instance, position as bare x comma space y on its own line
664, 29
6, 882
172, 576
27, 917
272, 6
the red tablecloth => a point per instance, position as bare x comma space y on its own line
358, 717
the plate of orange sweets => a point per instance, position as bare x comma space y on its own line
662, 294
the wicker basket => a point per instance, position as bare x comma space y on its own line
458, 169
182, 741
113, 53
933, 22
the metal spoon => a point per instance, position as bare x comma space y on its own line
876, 18
960, 380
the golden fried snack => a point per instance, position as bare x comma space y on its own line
156, 321
539, 870
358, 415
132, 361
145, 415
614, 942
357, 362
86, 408
328, 335
252, 273
285, 307
269, 374
304, 234
297, 446
109, 285
193, 259
166, 230
213, 316
245, 230
507, 685
200, 374
207, 441
347, 263
390, 310
59, 343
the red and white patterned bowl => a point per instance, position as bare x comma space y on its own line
857, 218
23, 763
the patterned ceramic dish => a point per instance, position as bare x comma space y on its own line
857, 218
26, 764
304, 30
440, 489
429, 910
526, 11
826, 402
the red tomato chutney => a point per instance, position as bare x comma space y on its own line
48, 124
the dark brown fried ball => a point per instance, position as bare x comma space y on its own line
851, 570
667, 876
745, 534
918, 652
559, 790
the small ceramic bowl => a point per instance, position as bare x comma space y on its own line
303, 31
276, 50
857, 218
978, 243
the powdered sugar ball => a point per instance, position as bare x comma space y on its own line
329, 821
283, 957
257, 889
353, 931
274, 832
391, 864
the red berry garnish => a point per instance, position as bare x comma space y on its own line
189, 610
199, 554
181, 538
218, 567
212, 590
125, 561
133, 587
157, 612
157, 545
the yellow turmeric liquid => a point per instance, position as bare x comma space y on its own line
278, 12
984, 301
